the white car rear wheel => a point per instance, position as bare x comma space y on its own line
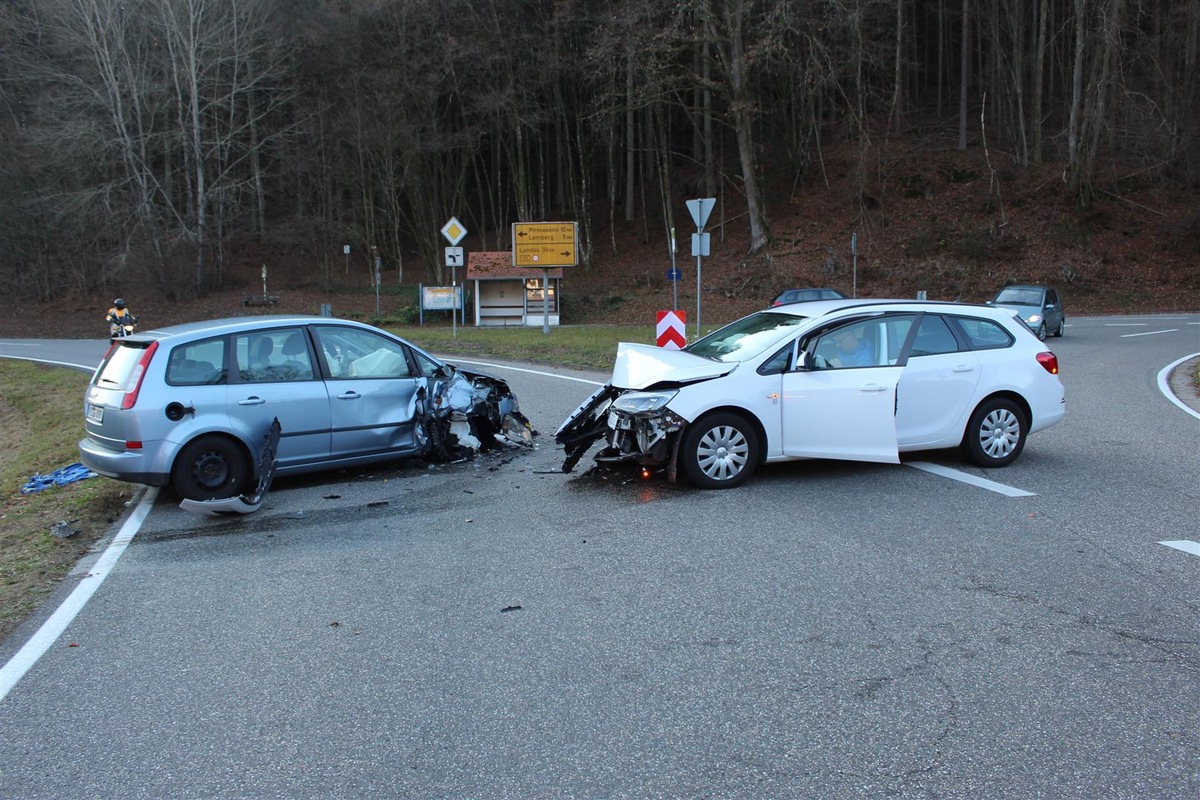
995, 433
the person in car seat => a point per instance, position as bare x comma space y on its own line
852, 351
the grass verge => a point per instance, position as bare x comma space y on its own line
40, 424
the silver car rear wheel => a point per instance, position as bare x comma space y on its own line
211, 468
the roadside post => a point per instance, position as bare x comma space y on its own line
854, 261
346, 255
454, 232
673, 274
700, 209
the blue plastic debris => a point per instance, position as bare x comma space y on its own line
60, 477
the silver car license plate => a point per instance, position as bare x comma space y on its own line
95, 413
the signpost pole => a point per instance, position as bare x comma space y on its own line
674, 283
700, 209
454, 231
545, 245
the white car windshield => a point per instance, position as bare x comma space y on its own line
746, 338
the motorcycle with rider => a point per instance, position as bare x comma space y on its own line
121, 320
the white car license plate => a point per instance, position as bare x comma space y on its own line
95, 413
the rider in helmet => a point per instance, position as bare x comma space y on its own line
118, 317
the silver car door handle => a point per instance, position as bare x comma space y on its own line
251, 401
873, 387
349, 396
964, 368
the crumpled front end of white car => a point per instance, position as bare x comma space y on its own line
635, 426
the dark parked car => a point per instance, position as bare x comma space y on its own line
1039, 306
805, 295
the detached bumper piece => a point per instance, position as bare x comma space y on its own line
246, 503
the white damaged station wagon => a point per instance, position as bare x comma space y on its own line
861, 380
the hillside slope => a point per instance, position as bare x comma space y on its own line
941, 222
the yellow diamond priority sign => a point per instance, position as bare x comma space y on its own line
454, 231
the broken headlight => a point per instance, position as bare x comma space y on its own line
643, 404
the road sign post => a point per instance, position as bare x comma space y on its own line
700, 209
673, 275
454, 231
545, 245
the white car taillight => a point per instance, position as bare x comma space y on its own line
1049, 362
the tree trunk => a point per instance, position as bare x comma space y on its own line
1039, 68
964, 73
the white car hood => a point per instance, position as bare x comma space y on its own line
642, 365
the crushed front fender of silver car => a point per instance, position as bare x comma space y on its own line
463, 412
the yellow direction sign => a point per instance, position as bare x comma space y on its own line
544, 244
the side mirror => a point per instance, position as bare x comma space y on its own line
803, 361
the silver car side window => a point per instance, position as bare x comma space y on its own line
199, 363
278, 355
353, 353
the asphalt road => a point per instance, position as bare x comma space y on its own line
497, 629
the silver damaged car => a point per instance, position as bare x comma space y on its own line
192, 406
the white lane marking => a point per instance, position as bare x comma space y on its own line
1185, 545
1126, 324
1148, 333
84, 367
52, 628
453, 360
982, 483
1164, 385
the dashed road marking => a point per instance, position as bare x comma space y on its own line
1185, 545
1148, 333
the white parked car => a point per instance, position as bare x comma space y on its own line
861, 380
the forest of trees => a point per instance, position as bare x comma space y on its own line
149, 137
